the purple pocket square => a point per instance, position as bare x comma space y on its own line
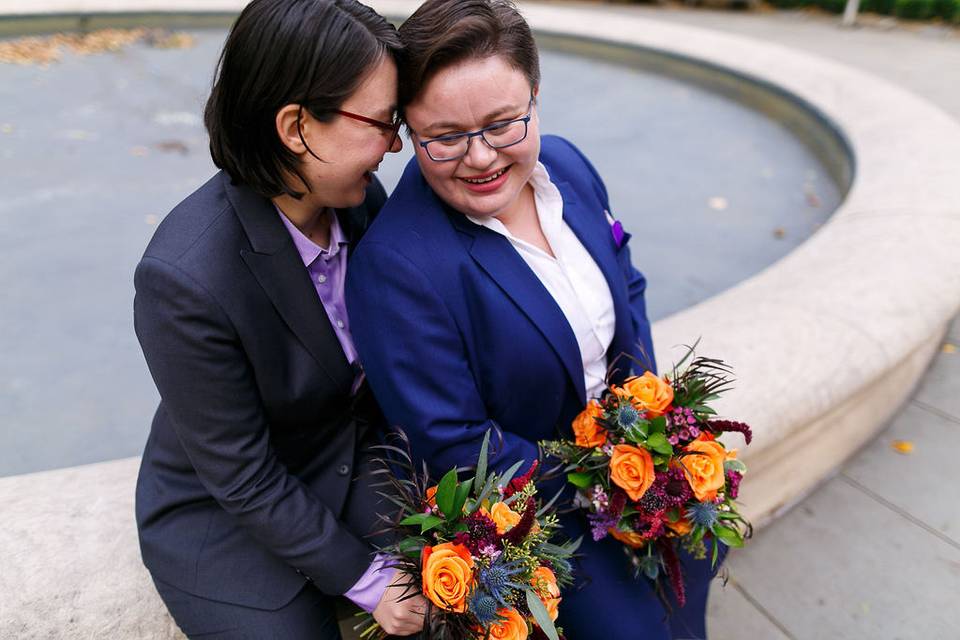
618, 234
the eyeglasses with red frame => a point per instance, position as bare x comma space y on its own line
392, 128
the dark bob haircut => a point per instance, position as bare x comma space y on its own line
442, 33
314, 53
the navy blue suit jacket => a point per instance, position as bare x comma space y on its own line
244, 493
457, 334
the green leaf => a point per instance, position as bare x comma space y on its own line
432, 522
447, 492
463, 490
508, 475
540, 614
658, 442
658, 425
411, 546
729, 537
415, 519
580, 479
735, 465
484, 494
481, 476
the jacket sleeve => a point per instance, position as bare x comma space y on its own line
415, 360
208, 389
635, 281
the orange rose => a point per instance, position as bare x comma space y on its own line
680, 528
511, 627
447, 575
545, 584
629, 538
504, 517
631, 469
432, 496
585, 427
704, 470
648, 393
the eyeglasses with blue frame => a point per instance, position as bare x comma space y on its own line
498, 135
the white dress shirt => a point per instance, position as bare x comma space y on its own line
571, 276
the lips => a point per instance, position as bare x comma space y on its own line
487, 182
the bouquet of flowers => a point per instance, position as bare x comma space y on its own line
650, 472
479, 550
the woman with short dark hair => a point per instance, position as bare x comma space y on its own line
254, 500
506, 285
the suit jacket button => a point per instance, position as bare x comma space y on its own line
343, 469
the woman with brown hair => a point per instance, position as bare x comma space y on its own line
496, 288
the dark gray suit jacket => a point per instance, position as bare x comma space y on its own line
245, 488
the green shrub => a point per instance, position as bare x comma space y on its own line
833, 6
791, 4
883, 6
949, 10
915, 9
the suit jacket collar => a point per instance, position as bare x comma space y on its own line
497, 257
278, 268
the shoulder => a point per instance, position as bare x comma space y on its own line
566, 163
412, 218
191, 224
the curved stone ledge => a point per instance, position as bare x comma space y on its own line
827, 343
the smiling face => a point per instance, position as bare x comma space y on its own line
466, 97
350, 150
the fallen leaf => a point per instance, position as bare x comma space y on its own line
139, 152
6, 128
949, 347
717, 203
173, 146
902, 446
150, 219
779, 233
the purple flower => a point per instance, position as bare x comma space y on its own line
733, 484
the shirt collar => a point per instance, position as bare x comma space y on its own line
308, 249
549, 204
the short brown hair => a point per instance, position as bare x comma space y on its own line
442, 33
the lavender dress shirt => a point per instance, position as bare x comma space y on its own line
328, 270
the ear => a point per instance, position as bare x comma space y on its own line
291, 121
536, 92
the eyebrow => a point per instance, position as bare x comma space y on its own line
493, 115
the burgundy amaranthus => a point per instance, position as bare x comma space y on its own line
717, 427
522, 528
518, 484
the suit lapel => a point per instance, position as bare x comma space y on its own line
497, 257
598, 240
275, 263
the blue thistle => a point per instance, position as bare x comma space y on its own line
627, 416
704, 514
497, 580
483, 607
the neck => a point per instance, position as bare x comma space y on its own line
311, 219
521, 212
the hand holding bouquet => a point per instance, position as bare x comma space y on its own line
650, 472
480, 551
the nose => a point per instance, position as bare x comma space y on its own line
479, 153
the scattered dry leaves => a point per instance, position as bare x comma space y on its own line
44, 50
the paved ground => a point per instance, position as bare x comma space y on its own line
875, 551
